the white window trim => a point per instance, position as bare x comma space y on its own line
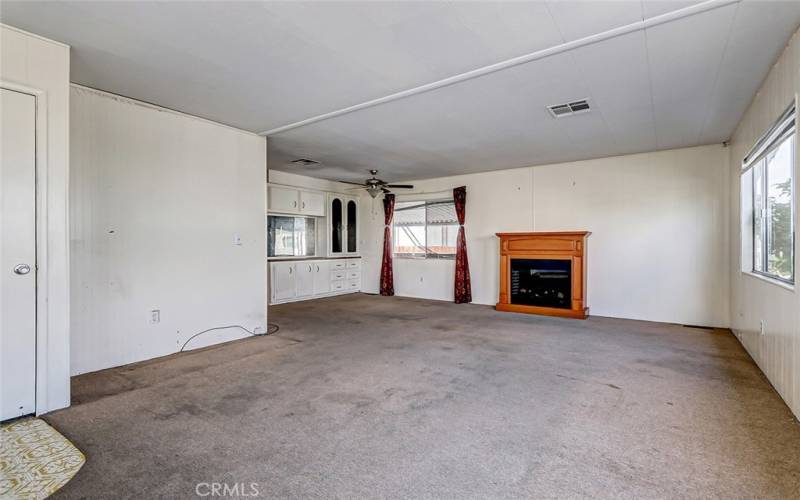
772, 281
775, 135
425, 257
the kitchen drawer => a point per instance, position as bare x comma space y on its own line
353, 284
338, 264
338, 275
354, 275
354, 264
339, 285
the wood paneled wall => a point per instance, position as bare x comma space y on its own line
777, 351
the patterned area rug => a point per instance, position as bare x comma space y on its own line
35, 460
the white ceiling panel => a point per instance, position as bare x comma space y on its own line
262, 65
497, 121
259, 65
578, 19
617, 73
653, 8
685, 57
748, 55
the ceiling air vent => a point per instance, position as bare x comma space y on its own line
305, 162
570, 108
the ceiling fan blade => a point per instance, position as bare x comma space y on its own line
355, 188
353, 183
401, 186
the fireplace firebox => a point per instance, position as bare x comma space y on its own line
543, 273
541, 282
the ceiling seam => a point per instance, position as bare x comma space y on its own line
558, 123
598, 110
650, 83
716, 76
516, 61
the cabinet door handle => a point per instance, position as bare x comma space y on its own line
303, 205
294, 204
309, 268
317, 268
290, 270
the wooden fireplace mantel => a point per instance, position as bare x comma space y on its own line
566, 245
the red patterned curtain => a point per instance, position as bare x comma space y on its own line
387, 277
463, 287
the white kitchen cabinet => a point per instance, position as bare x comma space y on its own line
322, 280
282, 280
342, 225
304, 278
283, 200
307, 279
289, 200
312, 203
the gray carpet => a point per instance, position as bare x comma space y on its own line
366, 396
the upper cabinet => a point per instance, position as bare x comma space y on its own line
287, 200
342, 225
283, 199
312, 203
352, 226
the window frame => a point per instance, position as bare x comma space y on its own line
784, 129
428, 255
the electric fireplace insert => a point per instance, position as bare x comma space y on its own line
541, 282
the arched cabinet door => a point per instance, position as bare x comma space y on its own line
337, 226
352, 227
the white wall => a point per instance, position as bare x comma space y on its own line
777, 352
39, 66
156, 198
659, 221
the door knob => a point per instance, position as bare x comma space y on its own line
22, 269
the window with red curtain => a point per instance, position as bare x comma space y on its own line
387, 276
463, 287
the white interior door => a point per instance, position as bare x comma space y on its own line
17, 254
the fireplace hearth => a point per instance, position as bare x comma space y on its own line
543, 273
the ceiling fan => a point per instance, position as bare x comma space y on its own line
375, 186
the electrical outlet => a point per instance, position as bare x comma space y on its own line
763, 329
155, 316
237, 240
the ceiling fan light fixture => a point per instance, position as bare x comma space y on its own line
374, 191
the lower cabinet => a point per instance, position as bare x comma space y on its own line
304, 279
307, 279
322, 277
282, 280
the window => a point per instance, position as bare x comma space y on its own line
425, 229
767, 201
291, 236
